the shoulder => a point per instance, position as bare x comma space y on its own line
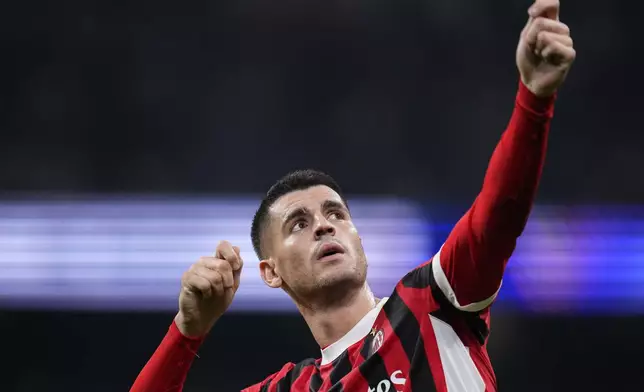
288, 373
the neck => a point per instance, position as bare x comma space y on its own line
328, 323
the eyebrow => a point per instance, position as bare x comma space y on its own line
296, 214
333, 205
302, 211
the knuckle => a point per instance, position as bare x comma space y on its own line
539, 23
233, 259
194, 269
204, 289
194, 281
565, 28
224, 279
220, 265
543, 38
201, 284
227, 266
216, 278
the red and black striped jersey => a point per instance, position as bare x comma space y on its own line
414, 340
431, 333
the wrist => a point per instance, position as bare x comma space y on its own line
189, 328
538, 92
526, 98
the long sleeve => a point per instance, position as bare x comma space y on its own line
469, 267
166, 371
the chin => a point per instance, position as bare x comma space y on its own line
332, 284
342, 276
336, 286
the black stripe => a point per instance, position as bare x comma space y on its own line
407, 329
339, 387
373, 369
341, 367
420, 373
284, 385
474, 322
316, 380
422, 278
365, 351
403, 322
419, 278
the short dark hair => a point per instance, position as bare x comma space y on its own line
293, 181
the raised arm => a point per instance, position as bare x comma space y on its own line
469, 267
207, 290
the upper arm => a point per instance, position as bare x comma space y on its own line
469, 267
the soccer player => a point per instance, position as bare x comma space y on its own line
430, 333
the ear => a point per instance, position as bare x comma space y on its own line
269, 274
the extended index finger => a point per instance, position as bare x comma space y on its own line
545, 8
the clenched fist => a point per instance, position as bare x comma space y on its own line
545, 52
207, 290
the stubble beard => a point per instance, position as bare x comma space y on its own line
337, 289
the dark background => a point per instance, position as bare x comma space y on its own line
400, 98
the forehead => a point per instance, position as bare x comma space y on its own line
311, 199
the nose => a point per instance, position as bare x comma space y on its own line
324, 228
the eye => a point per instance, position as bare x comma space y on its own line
299, 225
337, 215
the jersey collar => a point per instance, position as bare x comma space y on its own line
357, 333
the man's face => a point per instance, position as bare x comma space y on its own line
313, 244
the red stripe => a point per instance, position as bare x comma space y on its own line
278, 376
421, 302
303, 380
326, 383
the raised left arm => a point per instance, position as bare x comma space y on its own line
469, 267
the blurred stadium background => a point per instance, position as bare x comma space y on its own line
135, 135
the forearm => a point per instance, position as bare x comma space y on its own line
169, 365
470, 266
512, 178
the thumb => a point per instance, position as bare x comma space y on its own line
237, 278
552, 13
545, 8
240, 262
237, 272
524, 32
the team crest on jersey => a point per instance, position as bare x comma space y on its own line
378, 339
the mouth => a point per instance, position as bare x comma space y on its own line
329, 249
